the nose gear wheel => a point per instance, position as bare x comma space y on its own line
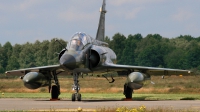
76, 96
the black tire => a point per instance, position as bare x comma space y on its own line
54, 92
128, 92
73, 97
79, 97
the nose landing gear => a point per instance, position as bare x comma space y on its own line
76, 87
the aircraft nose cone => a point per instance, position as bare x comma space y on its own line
68, 61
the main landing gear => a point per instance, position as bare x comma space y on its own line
54, 92
55, 89
76, 87
128, 92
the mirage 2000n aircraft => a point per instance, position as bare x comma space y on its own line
85, 55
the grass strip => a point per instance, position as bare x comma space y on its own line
106, 96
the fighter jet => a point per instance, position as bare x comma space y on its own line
86, 55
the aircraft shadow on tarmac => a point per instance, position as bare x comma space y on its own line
143, 98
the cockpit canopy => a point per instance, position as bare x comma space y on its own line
78, 41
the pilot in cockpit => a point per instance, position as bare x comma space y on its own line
76, 44
79, 45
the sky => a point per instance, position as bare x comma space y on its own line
24, 21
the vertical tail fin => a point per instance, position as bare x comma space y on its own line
101, 28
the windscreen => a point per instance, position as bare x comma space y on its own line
78, 41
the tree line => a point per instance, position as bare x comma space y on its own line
182, 52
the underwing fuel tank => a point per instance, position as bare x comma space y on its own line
34, 80
135, 80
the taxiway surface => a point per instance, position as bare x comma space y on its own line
44, 104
